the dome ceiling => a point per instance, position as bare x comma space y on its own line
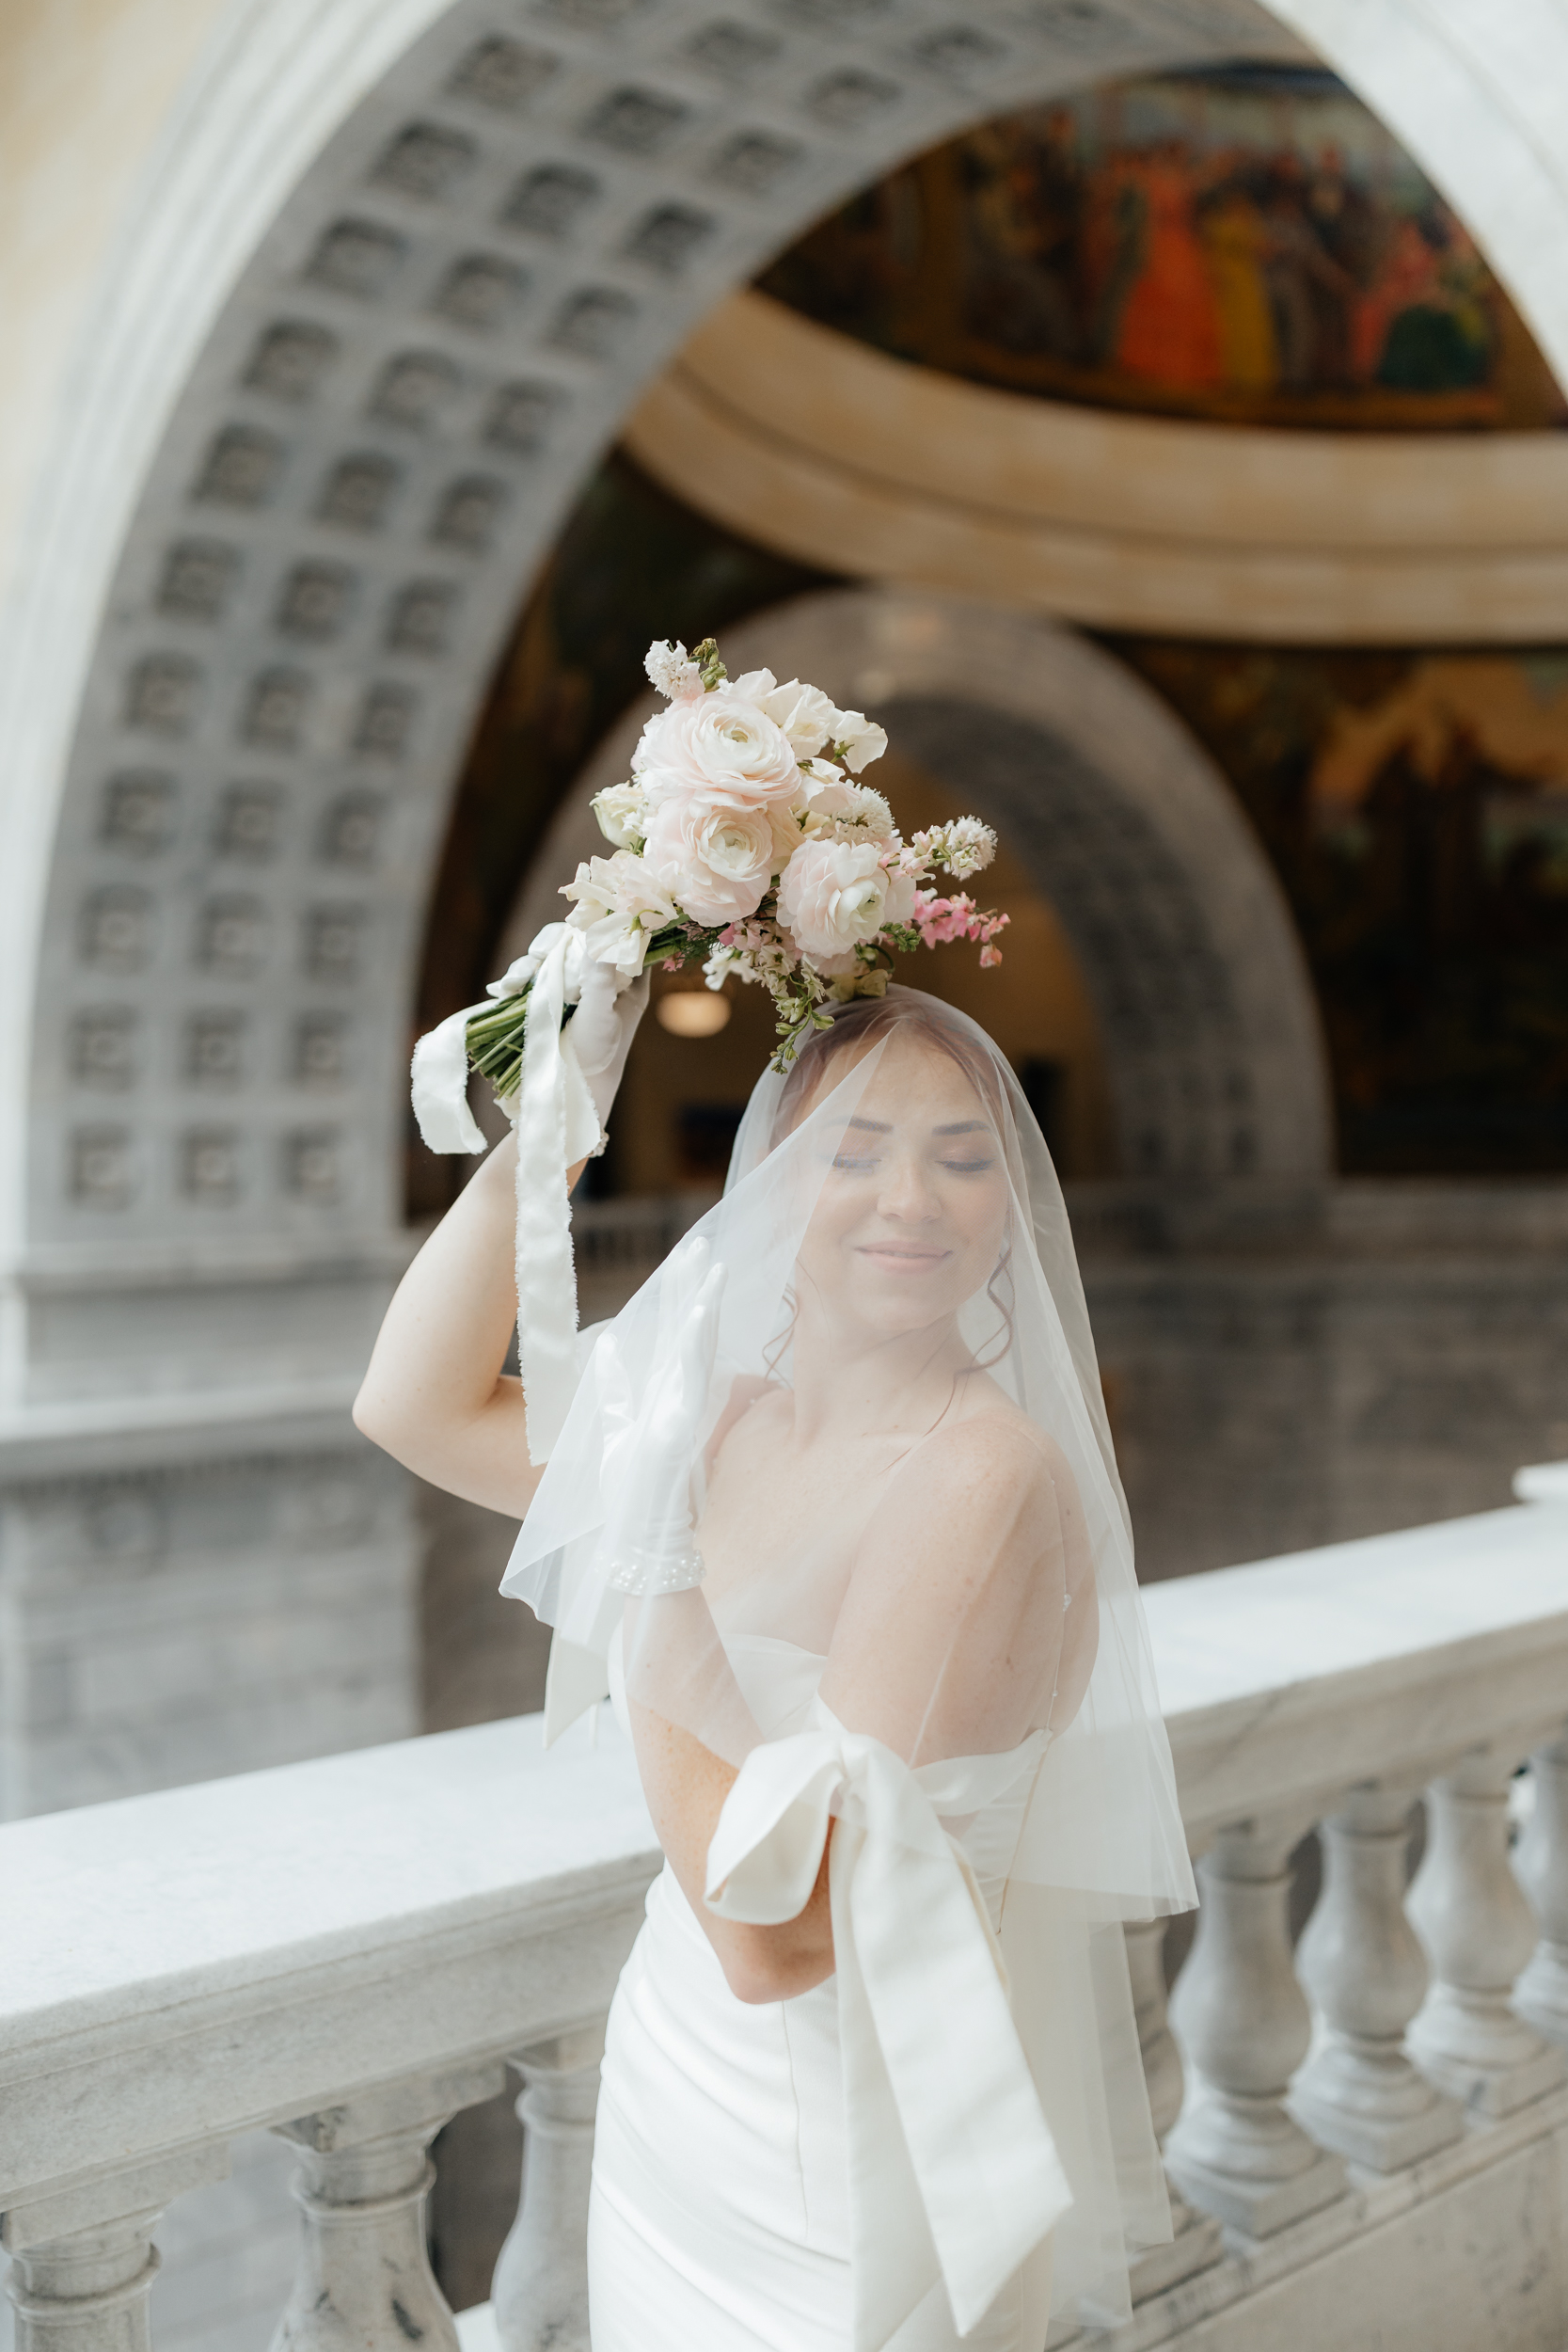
1245, 245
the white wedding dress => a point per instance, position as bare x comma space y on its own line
722, 2217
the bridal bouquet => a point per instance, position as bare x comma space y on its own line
744, 840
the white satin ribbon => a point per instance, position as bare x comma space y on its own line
953, 2169
557, 1126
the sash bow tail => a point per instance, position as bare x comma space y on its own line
953, 2169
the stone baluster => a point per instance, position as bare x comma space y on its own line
1196, 2239
1471, 1915
364, 2281
82, 2261
540, 2282
1245, 2026
1359, 2092
1541, 1865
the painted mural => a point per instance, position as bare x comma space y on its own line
1247, 244
1416, 808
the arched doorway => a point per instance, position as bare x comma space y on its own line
1210, 1032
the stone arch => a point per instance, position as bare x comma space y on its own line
1212, 1047
399, 275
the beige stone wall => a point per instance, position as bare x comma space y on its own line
86, 89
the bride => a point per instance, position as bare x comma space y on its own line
834, 1520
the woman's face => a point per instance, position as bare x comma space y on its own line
913, 1212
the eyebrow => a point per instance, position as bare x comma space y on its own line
959, 1127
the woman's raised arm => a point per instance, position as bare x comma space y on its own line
435, 1395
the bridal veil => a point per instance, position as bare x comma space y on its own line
992, 2067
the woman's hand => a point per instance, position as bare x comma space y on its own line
602, 1029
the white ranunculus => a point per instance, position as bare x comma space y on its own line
720, 743
622, 810
716, 860
833, 894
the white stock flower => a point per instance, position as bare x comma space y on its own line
620, 904
622, 810
970, 846
831, 795
833, 894
716, 860
671, 669
720, 742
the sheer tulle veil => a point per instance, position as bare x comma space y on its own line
1101, 1842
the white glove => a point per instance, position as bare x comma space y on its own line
601, 1030
649, 1455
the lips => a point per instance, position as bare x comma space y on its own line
902, 1257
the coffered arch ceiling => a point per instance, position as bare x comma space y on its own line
404, 270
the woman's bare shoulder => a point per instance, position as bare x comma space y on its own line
993, 1450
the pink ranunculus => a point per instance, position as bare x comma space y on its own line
833, 893
717, 743
715, 860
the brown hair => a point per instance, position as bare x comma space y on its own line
865, 1021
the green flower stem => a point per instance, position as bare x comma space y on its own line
494, 1038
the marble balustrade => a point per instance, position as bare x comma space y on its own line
350, 1952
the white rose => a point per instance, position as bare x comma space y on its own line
832, 893
622, 810
714, 859
620, 904
720, 743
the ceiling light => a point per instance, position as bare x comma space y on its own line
692, 1012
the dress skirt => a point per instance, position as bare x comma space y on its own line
719, 2220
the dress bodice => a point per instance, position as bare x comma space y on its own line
980, 1800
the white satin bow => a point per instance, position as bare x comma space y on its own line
556, 1124
953, 2169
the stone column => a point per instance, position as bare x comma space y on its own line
1359, 1960
84, 2260
364, 2281
1467, 1909
540, 2284
1245, 2026
1196, 2239
1541, 1865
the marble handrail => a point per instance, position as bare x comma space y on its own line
347, 1950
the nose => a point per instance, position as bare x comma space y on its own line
905, 1193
